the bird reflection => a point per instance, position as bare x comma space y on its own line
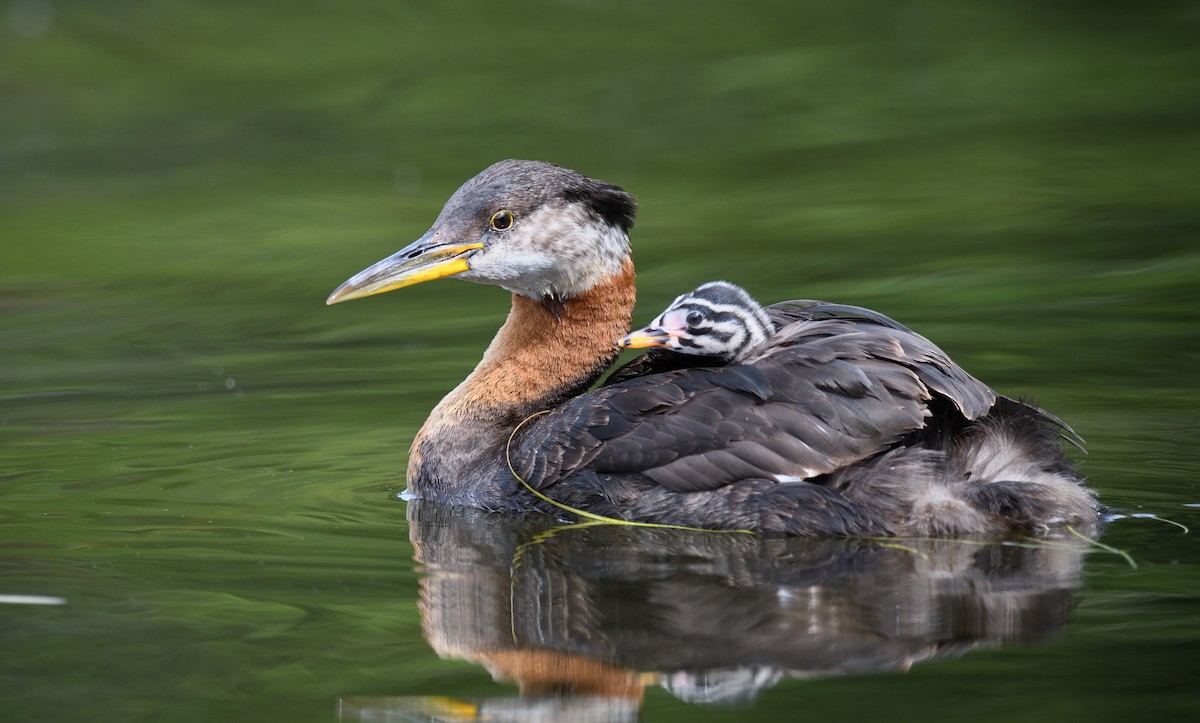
582, 618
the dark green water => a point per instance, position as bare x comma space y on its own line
199, 460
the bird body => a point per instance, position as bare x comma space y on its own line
829, 420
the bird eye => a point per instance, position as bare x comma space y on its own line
502, 220
694, 319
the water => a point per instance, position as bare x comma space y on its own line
199, 461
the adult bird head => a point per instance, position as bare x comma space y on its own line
531, 227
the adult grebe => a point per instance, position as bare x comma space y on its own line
841, 424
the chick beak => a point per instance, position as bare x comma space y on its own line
423, 260
650, 337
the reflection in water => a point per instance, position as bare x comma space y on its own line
583, 617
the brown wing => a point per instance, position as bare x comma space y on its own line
936, 370
820, 395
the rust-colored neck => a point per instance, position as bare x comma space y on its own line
535, 356
535, 362
548, 672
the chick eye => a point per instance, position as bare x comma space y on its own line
694, 319
502, 220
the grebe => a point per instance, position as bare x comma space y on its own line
717, 319
842, 422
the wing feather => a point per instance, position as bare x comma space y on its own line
834, 386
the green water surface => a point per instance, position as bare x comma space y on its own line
199, 461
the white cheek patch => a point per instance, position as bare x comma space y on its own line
560, 249
518, 271
593, 249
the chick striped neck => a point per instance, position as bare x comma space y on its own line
717, 319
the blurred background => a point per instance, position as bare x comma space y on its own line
197, 453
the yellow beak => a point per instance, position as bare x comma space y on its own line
422, 260
645, 339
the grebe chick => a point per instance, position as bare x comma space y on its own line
717, 319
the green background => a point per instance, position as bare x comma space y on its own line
202, 458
